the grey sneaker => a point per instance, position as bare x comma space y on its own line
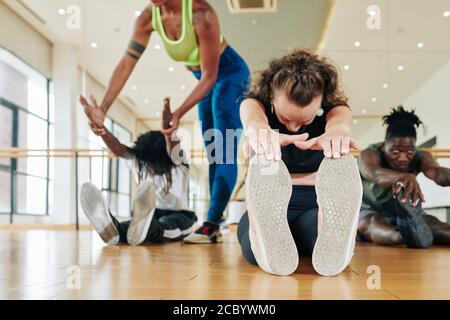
93, 205
339, 195
268, 191
143, 210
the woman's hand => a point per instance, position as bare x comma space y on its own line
261, 139
93, 111
334, 143
166, 114
169, 121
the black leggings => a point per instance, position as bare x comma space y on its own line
166, 226
302, 217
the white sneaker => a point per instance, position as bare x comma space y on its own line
93, 205
143, 210
339, 195
268, 191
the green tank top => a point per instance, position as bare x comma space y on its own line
379, 198
185, 49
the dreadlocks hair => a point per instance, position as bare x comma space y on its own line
151, 154
401, 123
303, 76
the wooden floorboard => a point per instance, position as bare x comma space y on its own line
34, 263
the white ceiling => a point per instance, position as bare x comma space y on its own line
404, 23
261, 36
109, 23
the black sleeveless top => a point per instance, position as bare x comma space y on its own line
297, 160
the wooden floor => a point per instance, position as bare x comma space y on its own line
34, 263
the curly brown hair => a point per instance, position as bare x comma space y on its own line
302, 75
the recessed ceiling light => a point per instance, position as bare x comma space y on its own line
401, 68
374, 99
385, 85
62, 11
171, 69
372, 13
254, 21
355, 121
183, 87
446, 14
157, 114
419, 44
157, 47
363, 111
147, 101
134, 88
357, 44
346, 67
94, 45
137, 13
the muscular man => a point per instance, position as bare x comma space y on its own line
392, 211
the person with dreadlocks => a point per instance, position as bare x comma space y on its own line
160, 208
391, 212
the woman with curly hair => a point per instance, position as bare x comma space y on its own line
160, 208
296, 112
392, 212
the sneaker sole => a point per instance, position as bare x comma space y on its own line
144, 209
339, 195
93, 205
268, 195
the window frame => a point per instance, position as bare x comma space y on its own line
13, 167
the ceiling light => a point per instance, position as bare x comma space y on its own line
171, 69
363, 111
401, 68
157, 47
355, 121
134, 88
374, 99
346, 67
385, 85
372, 13
157, 114
94, 45
137, 13
446, 14
254, 22
62, 11
357, 44
183, 87
147, 101
419, 44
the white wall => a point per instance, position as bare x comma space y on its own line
19, 37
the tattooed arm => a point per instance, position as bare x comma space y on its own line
138, 43
207, 28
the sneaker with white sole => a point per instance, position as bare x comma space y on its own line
339, 196
94, 206
268, 191
144, 205
207, 233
